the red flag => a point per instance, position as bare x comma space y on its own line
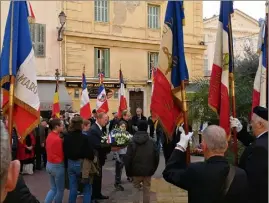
163, 105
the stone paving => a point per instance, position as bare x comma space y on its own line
161, 191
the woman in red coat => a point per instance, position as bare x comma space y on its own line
26, 154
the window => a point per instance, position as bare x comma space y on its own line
101, 10
152, 61
38, 35
207, 72
102, 61
153, 17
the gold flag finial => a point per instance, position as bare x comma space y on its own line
84, 69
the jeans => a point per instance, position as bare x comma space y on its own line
56, 173
74, 174
118, 169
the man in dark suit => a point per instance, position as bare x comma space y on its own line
95, 138
254, 159
212, 181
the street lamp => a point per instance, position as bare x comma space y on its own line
57, 75
62, 19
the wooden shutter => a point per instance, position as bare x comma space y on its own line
32, 31
95, 62
149, 65
40, 43
107, 63
149, 16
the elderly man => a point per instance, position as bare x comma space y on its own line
254, 159
9, 169
210, 181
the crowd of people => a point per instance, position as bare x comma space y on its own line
73, 155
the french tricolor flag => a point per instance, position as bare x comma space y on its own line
85, 108
122, 98
259, 89
218, 98
101, 103
18, 60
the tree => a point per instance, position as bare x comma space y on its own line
245, 71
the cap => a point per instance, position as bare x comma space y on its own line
261, 112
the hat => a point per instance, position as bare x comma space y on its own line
261, 112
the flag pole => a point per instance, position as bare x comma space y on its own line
57, 76
266, 32
12, 77
232, 88
185, 115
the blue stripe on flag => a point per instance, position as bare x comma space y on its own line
174, 20
22, 43
84, 83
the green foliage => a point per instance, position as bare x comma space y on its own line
245, 70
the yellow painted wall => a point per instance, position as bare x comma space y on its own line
129, 40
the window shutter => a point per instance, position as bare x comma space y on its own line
107, 63
95, 62
41, 42
149, 66
149, 16
32, 32
106, 11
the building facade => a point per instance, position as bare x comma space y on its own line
46, 48
111, 35
245, 34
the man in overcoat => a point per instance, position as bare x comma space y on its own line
254, 159
212, 181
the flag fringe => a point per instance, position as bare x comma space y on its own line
4, 80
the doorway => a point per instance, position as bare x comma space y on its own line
136, 100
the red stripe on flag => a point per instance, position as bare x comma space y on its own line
218, 98
85, 111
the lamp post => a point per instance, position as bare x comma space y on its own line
62, 19
57, 76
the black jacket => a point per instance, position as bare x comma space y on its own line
95, 138
21, 194
254, 161
204, 180
77, 146
142, 157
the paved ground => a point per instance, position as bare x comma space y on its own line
161, 191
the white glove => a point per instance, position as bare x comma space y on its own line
180, 128
184, 140
235, 123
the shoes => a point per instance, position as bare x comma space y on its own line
101, 197
119, 187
